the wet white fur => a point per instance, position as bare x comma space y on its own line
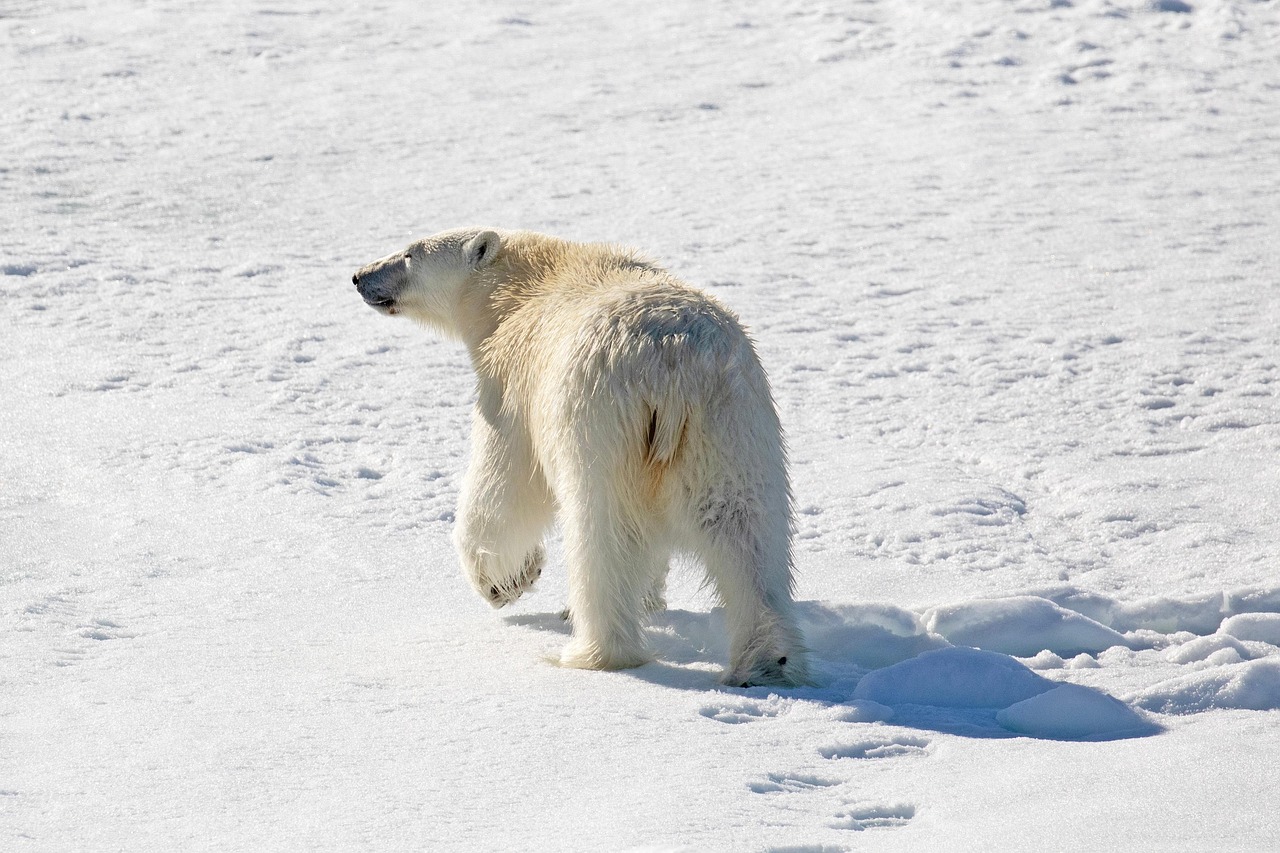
635, 408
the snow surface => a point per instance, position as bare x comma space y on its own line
1011, 265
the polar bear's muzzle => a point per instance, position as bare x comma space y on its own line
381, 283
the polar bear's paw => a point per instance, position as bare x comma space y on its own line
583, 654
655, 601
503, 592
789, 670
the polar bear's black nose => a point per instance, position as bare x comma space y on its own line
355, 279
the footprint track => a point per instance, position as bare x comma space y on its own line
734, 713
875, 748
785, 783
850, 815
862, 817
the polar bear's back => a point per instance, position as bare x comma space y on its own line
600, 316
644, 338
635, 373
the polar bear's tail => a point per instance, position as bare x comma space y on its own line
666, 429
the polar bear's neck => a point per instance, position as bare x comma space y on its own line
529, 267
494, 293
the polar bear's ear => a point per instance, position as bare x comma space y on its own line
481, 249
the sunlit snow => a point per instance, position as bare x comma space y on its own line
1012, 267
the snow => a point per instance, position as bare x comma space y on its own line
953, 678
1254, 685
1073, 712
1222, 648
1021, 701
868, 636
1261, 627
1011, 266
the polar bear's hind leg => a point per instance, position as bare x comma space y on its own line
611, 574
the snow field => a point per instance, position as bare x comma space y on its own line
1011, 266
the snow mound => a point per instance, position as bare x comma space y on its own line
1073, 712
953, 678
1022, 626
1199, 614
862, 711
1046, 660
1215, 649
1025, 703
1259, 627
1250, 685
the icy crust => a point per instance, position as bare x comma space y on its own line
1022, 664
1199, 614
876, 635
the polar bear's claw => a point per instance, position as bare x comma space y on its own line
503, 593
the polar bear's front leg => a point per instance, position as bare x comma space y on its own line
503, 512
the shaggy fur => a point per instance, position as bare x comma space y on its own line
634, 407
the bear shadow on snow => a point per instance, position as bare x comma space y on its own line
879, 662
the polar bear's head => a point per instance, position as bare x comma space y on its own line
427, 280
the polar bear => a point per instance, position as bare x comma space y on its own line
635, 408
